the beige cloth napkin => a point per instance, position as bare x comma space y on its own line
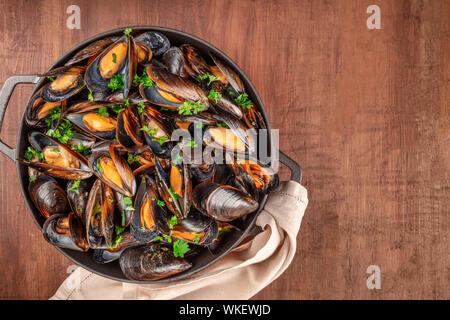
239, 275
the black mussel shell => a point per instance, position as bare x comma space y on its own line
174, 60
128, 131
196, 228
94, 124
90, 51
156, 41
65, 85
222, 202
77, 194
151, 262
48, 197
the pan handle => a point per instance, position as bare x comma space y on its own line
296, 170
5, 95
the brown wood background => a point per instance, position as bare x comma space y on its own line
365, 112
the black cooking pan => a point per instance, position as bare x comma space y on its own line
85, 260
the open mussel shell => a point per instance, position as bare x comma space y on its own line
224, 139
160, 128
175, 188
48, 196
195, 61
151, 262
149, 217
196, 228
128, 131
66, 85
173, 89
38, 109
90, 51
113, 170
255, 176
103, 256
230, 75
154, 95
122, 212
157, 42
222, 202
78, 196
94, 124
119, 58
99, 216
204, 172
58, 160
143, 162
175, 62
65, 232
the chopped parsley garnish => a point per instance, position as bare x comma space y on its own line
51, 78
199, 125
63, 133
141, 107
97, 209
129, 203
123, 217
214, 96
177, 160
32, 178
161, 203
30, 152
75, 186
221, 124
144, 79
188, 108
231, 93
197, 238
55, 114
117, 109
191, 144
90, 95
119, 229
103, 111
151, 132
127, 31
211, 78
173, 193
127, 101
80, 148
114, 57
180, 248
116, 243
116, 82
165, 109
173, 221
243, 101
132, 159
224, 229
99, 167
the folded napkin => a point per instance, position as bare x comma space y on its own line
239, 275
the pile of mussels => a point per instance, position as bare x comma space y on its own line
106, 172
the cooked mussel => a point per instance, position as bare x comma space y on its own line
222, 202
151, 262
175, 188
99, 216
48, 196
103, 256
65, 232
150, 216
196, 228
171, 91
57, 159
175, 62
97, 122
157, 128
66, 85
128, 131
119, 60
255, 176
157, 42
38, 109
77, 193
113, 170
90, 51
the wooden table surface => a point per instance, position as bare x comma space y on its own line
365, 113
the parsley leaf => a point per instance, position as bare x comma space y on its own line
173, 221
177, 160
30, 152
117, 109
51, 78
211, 78
103, 111
116, 82
32, 178
224, 229
55, 114
90, 95
114, 57
144, 79
75, 186
188, 108
180, 247
99, 167
214, 96
243, 101
173, 193
129, 203
132, 159
161, 203
191, 144
127, 31
141, 107
80, 148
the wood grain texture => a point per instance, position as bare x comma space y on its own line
365, 112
